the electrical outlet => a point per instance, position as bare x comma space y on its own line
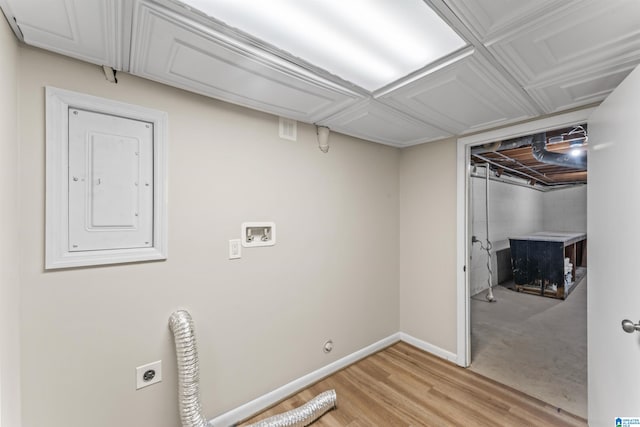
148, 374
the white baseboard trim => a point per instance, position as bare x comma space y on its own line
261, 403
429, 348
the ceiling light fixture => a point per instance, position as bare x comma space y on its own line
370, 43
577, 144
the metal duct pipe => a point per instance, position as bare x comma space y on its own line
540, 153
182, 327
502, 145
538, 144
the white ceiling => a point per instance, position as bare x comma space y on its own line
523, 58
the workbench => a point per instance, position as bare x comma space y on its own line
538, 262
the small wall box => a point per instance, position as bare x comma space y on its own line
256, 234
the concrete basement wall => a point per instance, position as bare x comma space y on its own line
516, 210
9, 232
565, 210
513, 210
261, 320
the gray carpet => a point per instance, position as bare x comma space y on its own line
534, 344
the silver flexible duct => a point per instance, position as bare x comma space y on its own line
181, 325
304, 415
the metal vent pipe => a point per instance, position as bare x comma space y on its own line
540, 153
539, 150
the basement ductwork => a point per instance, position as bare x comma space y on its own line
538, 144
502, 145
540, 153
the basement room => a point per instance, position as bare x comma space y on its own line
290, 213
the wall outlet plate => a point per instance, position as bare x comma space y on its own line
148, 374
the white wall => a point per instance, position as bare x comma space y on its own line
565, 210
260, 320
428, 243
9, 232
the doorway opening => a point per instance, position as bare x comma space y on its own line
521, 303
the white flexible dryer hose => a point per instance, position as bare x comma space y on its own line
304, 415
181, 325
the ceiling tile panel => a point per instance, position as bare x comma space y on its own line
465, 96
376, 122
170, 48
525, 58
573, 91
487, 18
89, 30
579, 36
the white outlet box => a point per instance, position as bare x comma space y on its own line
148, 374
258, 234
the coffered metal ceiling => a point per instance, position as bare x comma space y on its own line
522, 59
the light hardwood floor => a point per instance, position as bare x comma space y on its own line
404, 386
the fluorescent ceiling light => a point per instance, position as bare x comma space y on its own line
370, 43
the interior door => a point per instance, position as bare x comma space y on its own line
613, 231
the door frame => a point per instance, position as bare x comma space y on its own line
463, 227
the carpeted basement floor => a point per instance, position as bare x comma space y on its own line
534, 344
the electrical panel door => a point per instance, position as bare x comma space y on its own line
110, 182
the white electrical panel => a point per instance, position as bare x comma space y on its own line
106, 182
110, 182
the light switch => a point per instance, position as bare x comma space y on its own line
235, 249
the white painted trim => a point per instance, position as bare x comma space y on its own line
429, 348
463, 347
269, 399
57, 254
259, 404
4, 5
462, 227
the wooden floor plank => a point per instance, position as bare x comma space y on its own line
405, 387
